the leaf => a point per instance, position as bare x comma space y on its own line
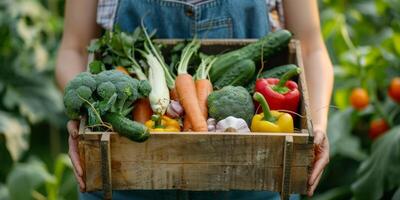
4, 195
96, 67
340, 138
396, 43
41, 57
16, 131
396, 195
380, 172
26, 177
94, 46
342, 192
36, 102
62, 161
341, 98
53, 188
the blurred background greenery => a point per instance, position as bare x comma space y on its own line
363, 38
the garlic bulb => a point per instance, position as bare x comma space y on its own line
232, 124
174, 109
211, 124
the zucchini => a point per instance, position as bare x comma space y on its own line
277, 72
268, 45
132, 130
238, 74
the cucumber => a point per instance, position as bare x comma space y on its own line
277, 72
132, 130
237, 75
268, 45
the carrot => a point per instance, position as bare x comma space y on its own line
142, 111
203, 89
122, 69
173, 94
188, 98
187, 126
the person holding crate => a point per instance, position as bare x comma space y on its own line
84, 21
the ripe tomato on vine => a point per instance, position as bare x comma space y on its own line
359, 98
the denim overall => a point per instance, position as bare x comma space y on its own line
205, 19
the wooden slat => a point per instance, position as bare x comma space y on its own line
205, 162
106, 165
304, 90
286, 169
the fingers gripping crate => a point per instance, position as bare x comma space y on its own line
279, 162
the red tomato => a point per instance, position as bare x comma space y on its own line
394, 89
359, 98
377, 127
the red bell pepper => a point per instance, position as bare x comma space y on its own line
281, 94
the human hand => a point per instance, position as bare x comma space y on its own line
321, 159
73, 126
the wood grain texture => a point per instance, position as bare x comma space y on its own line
106, 165
202, 162
286, 169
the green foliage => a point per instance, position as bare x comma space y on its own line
31, 105
28, 180
380, 172
363, 42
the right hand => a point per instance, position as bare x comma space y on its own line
73, 130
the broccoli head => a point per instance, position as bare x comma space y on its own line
231, 101
144, 88
76, 92
109, 90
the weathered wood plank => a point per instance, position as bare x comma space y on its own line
286, 169
205, 162
106, 165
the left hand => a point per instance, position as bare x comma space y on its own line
321, 151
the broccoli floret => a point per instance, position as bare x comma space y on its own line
82, 79
126, 87
106, 89
231, 101
144, 88
84, 92
78, 89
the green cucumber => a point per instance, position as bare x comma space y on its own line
237, 75
132, 130
268, 46
277, 72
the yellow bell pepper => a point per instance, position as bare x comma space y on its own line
162, 124
270, 121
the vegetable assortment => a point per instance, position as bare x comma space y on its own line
195, 92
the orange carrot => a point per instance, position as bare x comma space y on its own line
173, 94
122, 69
142, 111
203, 89
186, 90
187, 126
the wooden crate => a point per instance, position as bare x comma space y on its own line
279, 162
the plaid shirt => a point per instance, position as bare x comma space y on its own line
106, 10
